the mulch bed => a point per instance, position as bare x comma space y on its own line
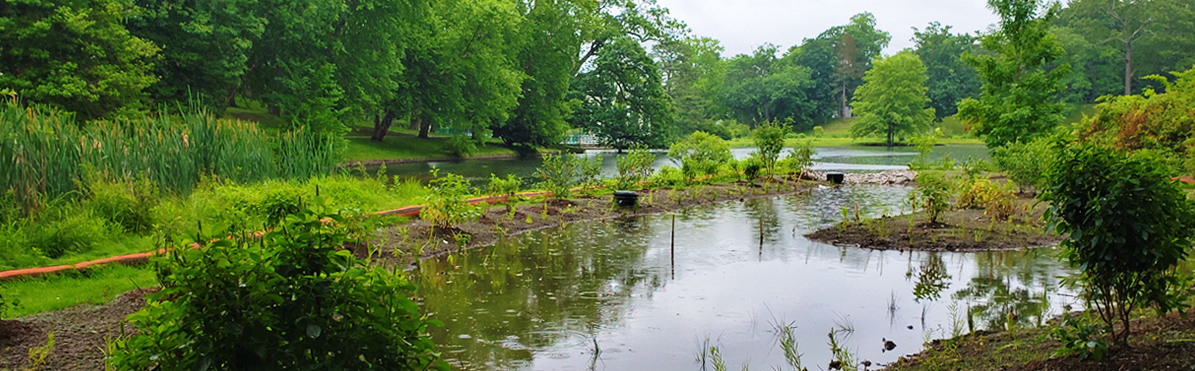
80, 334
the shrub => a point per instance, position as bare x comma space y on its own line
1079, 337
445, 206
996, 199
1129, 225
505, 187
461, 146
561, 173
769, 141
932, 194
699, 154
291, 300
799, 158
752, 167
819, 132
1024, 163
667, 176
127, 204
634, 167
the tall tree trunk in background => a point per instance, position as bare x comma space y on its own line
889, 136
381, 126
231, 101
1128, 69
844, 113
425, 126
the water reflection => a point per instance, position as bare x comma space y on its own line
544, 299
845, 158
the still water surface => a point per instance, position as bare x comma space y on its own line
846, 158
541, 300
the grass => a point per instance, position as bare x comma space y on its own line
94, 286
847, 141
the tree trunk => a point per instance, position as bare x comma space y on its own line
425, 126
231, 101
889, 136
844, 112
381, 126
1128, 69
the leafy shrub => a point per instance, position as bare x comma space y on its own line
291, 300
769, 141
667, 176
699, 154
799, 157
561, 173
1024, 163
634, 167
973, 168
65, 228
932, 194
445, 206
505, 187
752, 167
1128, 226
997, 199
128, 204
819, 132
1080, 337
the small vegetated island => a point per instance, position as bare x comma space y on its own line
221, 138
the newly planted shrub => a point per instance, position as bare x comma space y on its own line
932, 194
505, 187
769, 141
561, 173
1127, 225
634, 167
799, 158
752, 167
445, 207
700, 154
290, 300
1024, 163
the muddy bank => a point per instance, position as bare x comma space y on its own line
956, 230
1156, 343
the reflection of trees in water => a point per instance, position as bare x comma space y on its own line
931, 278
547, 287
1011, 282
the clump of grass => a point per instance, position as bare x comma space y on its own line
93, 286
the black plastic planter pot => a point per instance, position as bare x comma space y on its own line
626, 198
835, 178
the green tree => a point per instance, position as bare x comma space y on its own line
76, 55
1020, 97
693, 73
949, 80
769, 142
622, 98
858, 44
761, 88
892, 99
1127, 225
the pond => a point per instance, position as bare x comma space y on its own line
846, 158
739, 271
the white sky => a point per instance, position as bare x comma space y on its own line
743, 25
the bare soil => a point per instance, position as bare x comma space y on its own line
80, 335
955, 230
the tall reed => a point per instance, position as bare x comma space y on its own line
45, 154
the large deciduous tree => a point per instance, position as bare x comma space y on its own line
76, 55
892, 99
949, 79
1020, 96
622, 99
761, 88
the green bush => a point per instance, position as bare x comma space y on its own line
65, 228
799, 157
1079, 337
819, 132
128, 204
1127, 225
996, 199
752, 167
932, 194
445, 206
561, 173
667, 176
505, 187
634, 167
699, 154
461, 146
291, 300
769, 141
1024, 163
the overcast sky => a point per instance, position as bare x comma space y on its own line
743, 25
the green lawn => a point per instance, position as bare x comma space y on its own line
93, 286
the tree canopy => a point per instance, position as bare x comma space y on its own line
622, 99
892, 100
